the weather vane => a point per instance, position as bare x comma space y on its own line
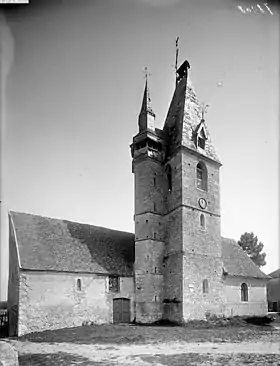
203, 110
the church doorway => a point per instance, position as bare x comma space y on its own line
121, 310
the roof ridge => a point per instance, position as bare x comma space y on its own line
69, 221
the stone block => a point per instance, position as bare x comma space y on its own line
8, 355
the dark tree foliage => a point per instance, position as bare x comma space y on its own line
253, 247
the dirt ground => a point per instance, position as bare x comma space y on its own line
146, 346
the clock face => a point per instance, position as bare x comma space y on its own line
202, 203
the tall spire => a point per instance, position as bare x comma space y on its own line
176, 59
185, 119
147, 116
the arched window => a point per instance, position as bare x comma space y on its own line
202, 221
201, 176
79, 284
244, 292
205, 287
169, 177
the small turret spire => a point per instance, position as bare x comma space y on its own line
147, 116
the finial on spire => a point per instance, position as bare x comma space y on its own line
147, 115
176, 59
183, 71
203, 110
146, 105
146, 74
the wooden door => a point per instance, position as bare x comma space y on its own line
121, 310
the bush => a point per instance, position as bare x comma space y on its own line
259, 320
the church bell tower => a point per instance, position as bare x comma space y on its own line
178, 265
147, 154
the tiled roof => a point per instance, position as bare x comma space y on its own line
183, 118
275, 274
237, 263
53, 244
60, 245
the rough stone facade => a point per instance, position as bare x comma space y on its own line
53, 300
13, 283
8, 355
178, 244
173, 253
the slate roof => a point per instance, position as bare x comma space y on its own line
60, 245
183, 117
275, 274
52, 244
237, 263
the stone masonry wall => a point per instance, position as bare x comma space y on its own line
13, 284
149, 235
257, 298
173, 259
196, 303
52, 300
173, 275
191, 193
149, 185
201, 245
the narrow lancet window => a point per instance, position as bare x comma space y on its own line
201, 176
202, 221
244, 292
79, 285
205, 287
169, 177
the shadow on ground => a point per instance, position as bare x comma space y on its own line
131, 334
58, 359
195, 359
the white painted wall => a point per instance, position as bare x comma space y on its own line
257, 299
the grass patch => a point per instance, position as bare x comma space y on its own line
133, 334
54, 359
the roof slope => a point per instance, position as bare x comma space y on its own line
237, 263
60, 245
183, 118
275, 274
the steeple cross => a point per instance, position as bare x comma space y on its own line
204, 110
146, 73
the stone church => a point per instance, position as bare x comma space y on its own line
176, 266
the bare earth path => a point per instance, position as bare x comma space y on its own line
263, 350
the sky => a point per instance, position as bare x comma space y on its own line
72, 85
